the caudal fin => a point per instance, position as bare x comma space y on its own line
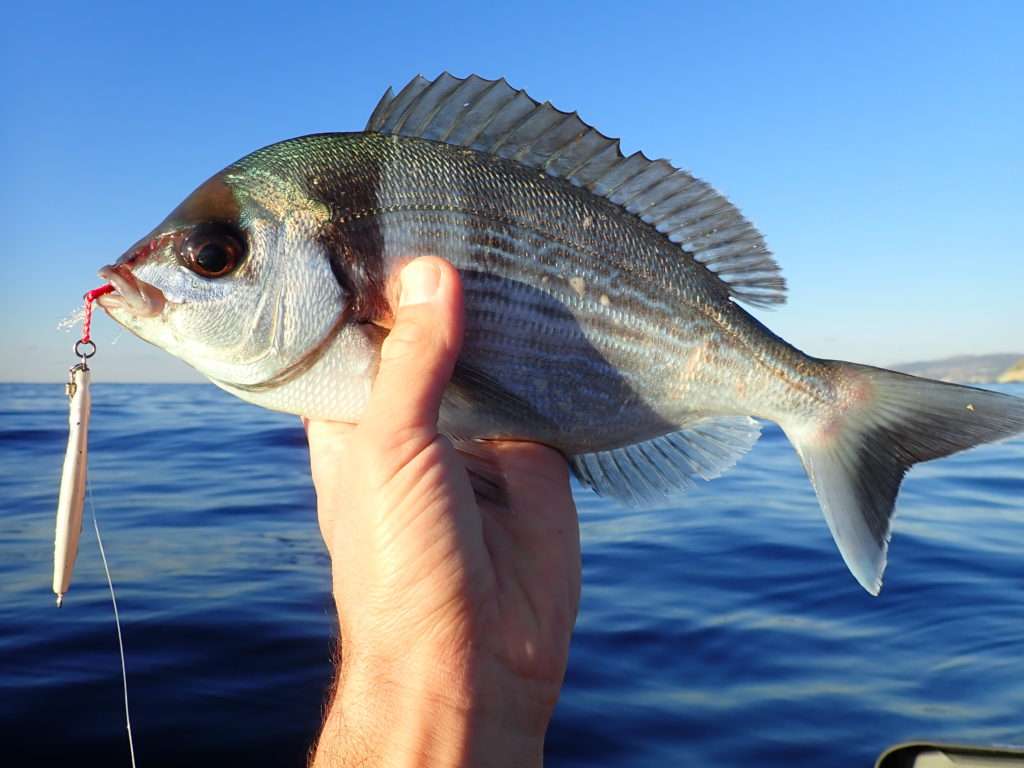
857, 455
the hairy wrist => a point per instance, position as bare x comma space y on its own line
421, 711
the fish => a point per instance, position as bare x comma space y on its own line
603, 301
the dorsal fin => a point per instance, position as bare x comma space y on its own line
491, 116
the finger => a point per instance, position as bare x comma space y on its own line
418, 356
327, 444
320, 427
319, 433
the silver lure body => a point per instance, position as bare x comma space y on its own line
68, 527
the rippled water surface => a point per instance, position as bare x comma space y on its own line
726, 631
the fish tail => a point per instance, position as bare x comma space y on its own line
858, 451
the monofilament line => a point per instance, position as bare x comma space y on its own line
117, 622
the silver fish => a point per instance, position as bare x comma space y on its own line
602, 301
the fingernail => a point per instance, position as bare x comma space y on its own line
420, 280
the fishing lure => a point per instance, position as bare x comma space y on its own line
72, 481
73, 488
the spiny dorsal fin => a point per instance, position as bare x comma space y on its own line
491, 116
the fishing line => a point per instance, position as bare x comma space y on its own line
117, 621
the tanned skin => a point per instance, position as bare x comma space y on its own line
455, 611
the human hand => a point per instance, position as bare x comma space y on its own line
455, 612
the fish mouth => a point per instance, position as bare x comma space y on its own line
137, 296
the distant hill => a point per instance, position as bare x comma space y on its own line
969, 369
1015, 373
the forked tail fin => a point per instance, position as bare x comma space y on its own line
857, 455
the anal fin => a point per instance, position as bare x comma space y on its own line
656, 470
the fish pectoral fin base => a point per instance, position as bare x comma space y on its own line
473, 391
654, 471
857, 462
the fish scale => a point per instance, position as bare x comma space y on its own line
626, 283
588, 328
602, 301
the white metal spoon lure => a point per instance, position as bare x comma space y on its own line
72, 482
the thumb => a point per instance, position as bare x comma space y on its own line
418, 356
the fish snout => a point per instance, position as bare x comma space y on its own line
137, 296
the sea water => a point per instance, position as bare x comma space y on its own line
723, 631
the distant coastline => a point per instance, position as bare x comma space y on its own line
970, 369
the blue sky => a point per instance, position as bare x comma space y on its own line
878, 146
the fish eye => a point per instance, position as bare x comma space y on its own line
213, 250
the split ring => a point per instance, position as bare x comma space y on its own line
84, 349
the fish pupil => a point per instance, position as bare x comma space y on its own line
212, 257
213, 249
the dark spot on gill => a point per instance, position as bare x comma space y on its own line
356, 252
352, 236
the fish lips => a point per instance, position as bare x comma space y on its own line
137, 296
